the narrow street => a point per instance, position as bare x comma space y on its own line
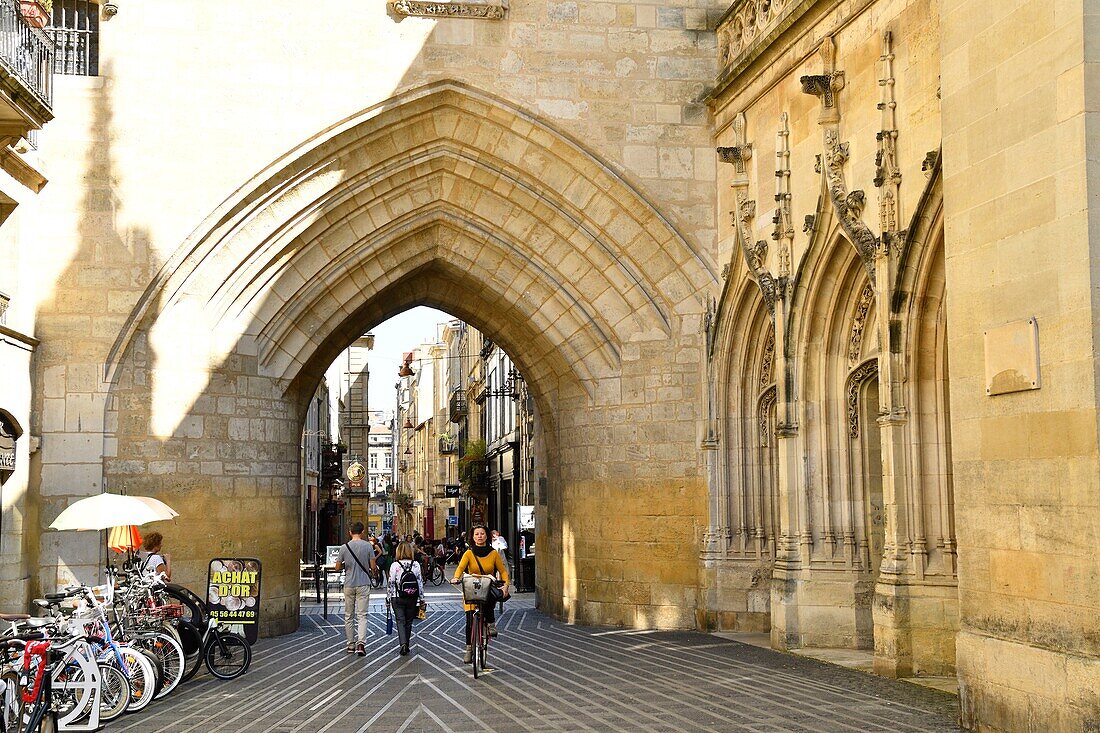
546, 677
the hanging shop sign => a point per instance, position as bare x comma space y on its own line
451, 491
356, 474
8, 436
233, 594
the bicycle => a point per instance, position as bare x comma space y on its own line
227, 654
143, 671
61, 691
476, 590
436, 575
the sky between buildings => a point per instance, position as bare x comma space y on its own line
392, 338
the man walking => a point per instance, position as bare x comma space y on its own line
357, 560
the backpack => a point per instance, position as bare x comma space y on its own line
407, 587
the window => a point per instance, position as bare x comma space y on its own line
75, 27
374, 461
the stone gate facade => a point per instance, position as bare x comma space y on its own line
756, 260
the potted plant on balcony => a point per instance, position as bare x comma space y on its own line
404, 503
471, 469
37, 13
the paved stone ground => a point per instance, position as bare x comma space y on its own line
546, 676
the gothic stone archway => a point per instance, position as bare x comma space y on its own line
448, 197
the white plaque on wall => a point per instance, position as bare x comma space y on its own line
1012, 357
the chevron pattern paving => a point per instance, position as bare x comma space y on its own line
547, 676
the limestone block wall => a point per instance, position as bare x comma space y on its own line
1020, 178
193, 103
19, 520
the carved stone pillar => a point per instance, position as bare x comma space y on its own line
714, 545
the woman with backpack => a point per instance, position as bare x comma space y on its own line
406, 589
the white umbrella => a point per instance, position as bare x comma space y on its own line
111, 510
160, 506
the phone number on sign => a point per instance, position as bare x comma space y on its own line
240, 617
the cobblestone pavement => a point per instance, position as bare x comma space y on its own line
545, 676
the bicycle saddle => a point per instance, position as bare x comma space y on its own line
67, 593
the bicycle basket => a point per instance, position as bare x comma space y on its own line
156, 614
475, 588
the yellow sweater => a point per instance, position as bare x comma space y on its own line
489, 564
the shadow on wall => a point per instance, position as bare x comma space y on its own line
91, 298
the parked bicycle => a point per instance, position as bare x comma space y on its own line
227, 655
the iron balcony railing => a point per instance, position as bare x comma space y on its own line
26, 53
457, 406
76, 35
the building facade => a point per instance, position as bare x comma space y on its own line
814, 277
321, 526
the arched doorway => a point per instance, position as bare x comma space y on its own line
451, 198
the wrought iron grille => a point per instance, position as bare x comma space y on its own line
75, 30
26, 52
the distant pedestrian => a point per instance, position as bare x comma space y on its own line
357, 560
406, 592
500, 544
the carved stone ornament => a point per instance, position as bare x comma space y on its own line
855, 382
490, 10
710, 323
887, 169
848, 206
783, 233
928, 165
826, 85
809, 223
763, 414
767, 360
746, 22
754, 253
859, 323
746, 210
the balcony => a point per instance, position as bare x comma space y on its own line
457, 405
26, 74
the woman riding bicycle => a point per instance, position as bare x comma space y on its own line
481, 559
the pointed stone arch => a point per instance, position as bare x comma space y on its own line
441, 149
443, 196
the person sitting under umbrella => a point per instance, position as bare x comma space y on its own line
155, 562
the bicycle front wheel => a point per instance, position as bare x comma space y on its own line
170, 655
475, 638
114, 692
143, 678
228, 656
